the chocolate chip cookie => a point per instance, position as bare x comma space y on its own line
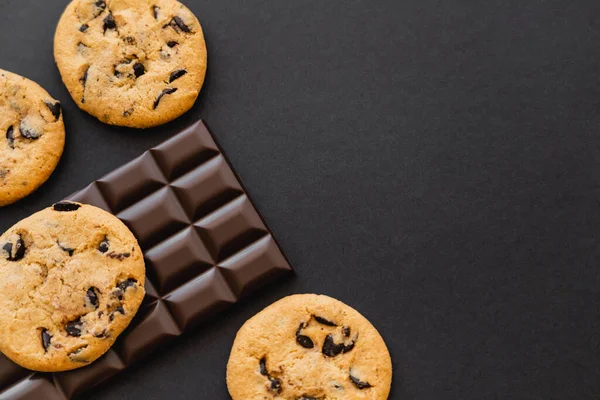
308, 347
32, 136
135, 63
71, 280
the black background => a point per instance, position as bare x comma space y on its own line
434, 164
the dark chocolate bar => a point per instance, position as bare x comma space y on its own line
205, 247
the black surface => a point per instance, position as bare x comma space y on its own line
434, 164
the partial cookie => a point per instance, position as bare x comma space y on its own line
32, 136
307, 347
71, 280
135, 63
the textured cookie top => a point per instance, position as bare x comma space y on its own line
307, 347
136, 63
32, 136
71, 280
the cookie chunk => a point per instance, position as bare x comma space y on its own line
307, 347
71, 280
32, 136
135, 63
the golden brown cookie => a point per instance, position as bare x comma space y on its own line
71, 280
32, 136
307, 347
135, 63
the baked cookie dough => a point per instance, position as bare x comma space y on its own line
307, 347
71, 280
32, 136
135, 63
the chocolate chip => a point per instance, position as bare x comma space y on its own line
10, 136
73, 328
119, 256
303, 340
358, 383
263, 367
127, 113
129, 39
109, 23
54, 109
19, 250
181, 24
92, 296
8, 248
346, 331
66, 206
275, 385
155, 11
103, 246
85, 76
69, 250
172, 43
83, 28
160, 96
46, 338
330, 348
28, 132
138, 69
177, 74
126, 284
119, 309
100, 7
323, 321
348, 347
177, 23
305, 397
83, 80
